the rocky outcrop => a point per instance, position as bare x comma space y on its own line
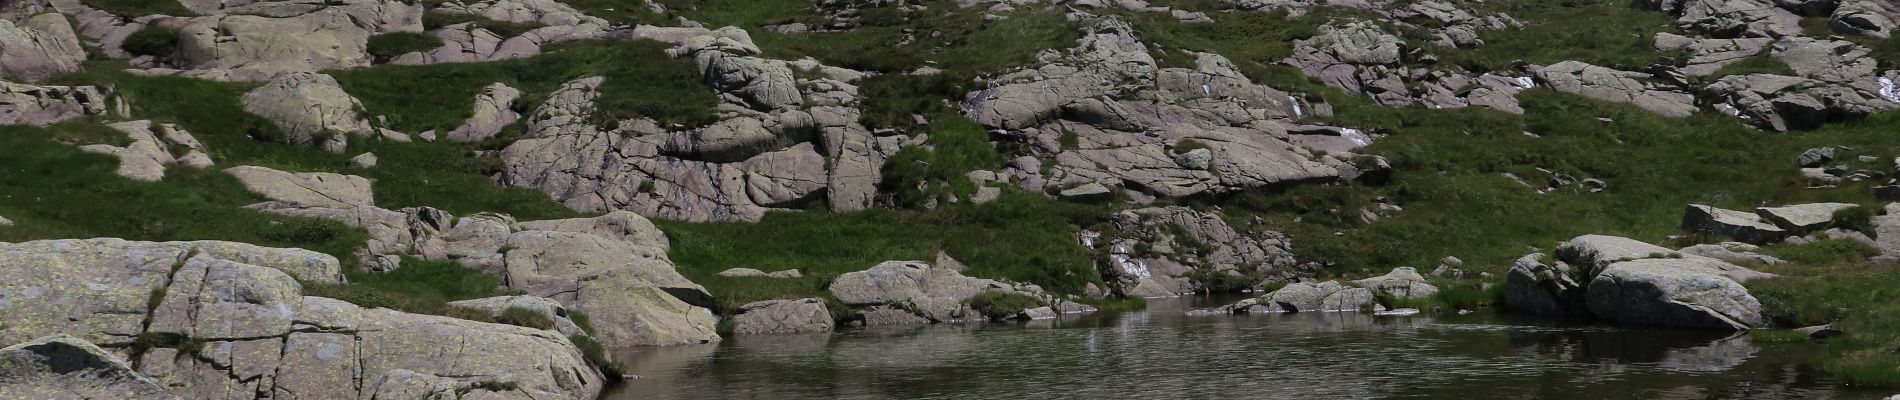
311, 109
468, 42
38, 47
1706, 56
1733, 18
153, 147
1154, 252
315, 189
494, 110
1825, 59
778, 317
1600, 83
64, 367
376, 16
256, 47
1783, 103
22, 104
1360, 58
230, 320
1802, 219
935, 294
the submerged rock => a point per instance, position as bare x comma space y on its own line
777, 317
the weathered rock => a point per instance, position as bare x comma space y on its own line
1783, 103
377, 16
22, 104
1872, 18
933, 293
1535, 287
1825, 60
1327, 296
153, 148
1593, 253
1606, 84
1088, 192
1802, 219
1706, 56
365, 160
1738, 18
1402, 282
1738, 225
1732, 252
321, 189
1815, 157
618, 225
777, 317
626, 311
494, 110
64, 367
255, 47
311, 109
546, 308
1672, 292
547, 263
545, 12
38, 47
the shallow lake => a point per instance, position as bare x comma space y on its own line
1161, 353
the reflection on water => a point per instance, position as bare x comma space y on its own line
1164, 354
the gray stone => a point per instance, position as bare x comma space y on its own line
1402, 282
1738, 225
64, 367
1606, 84
1535, 287
1802, 219
1871, 18
1816, 157
32, 105
777, 317
320, 189
1672, 292
1706, 56
1825, 60
38, 47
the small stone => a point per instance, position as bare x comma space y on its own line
365, 160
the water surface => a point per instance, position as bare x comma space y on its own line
1161, 353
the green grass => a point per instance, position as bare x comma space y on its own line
519, 316
1825, 251
152, 40
1862, 300
1021, 237
1610, 33
1777, 336
420, 286
1753, 65
390, 45
140, 8
936, 172
436, 19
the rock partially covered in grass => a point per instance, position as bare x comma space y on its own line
1600, 83
38, 47
1783, 103
1706, 56
494, 110
778, 317
529, 311
64, 367
311, 109
319, 189
154, 146
1545, 289
1402, 282
1735, 18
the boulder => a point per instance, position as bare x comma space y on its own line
376, 16
1327, 296
32, 105
1802, 219
1672, 292
627, 310
1816, 157
494, 110
777, 317
1600, 83
1538, 288
64, 367
311, 109
548, 263
38, 47
1402, 282
256, 47
1738, 225
320, 189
